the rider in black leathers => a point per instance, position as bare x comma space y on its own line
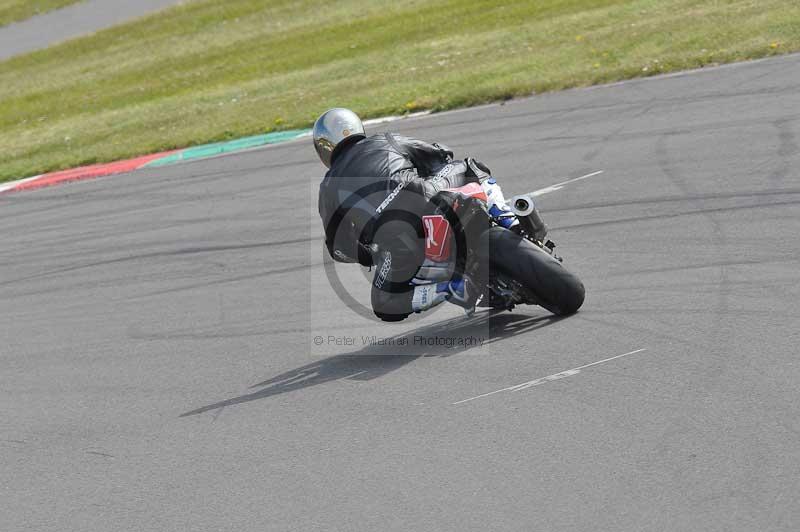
372, 200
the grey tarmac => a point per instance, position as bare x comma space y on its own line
174, 358
76, 20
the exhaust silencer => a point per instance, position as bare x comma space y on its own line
522, 205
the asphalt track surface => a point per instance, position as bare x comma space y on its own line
72, 21
159, 370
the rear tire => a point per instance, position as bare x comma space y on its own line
551, 285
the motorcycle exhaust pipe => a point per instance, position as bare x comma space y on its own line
522, 205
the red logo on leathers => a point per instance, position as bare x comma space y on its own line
437, 241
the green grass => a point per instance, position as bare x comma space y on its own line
211, 70
16, 10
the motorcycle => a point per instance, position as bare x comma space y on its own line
511, 267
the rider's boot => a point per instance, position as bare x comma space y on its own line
458, 291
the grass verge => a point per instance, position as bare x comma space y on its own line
17, 10
212, 70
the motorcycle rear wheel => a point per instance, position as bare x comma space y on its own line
550, 284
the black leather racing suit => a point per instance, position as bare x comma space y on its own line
371, 203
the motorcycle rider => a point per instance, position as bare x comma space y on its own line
372, 202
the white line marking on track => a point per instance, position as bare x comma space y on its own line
559, 186
549, 378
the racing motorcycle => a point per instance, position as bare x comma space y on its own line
515, 266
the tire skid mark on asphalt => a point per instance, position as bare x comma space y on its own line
257, 275
717, 196
179, 253
554, 377
714, 264
787, 148
701, 211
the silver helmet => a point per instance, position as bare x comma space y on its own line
331, 128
